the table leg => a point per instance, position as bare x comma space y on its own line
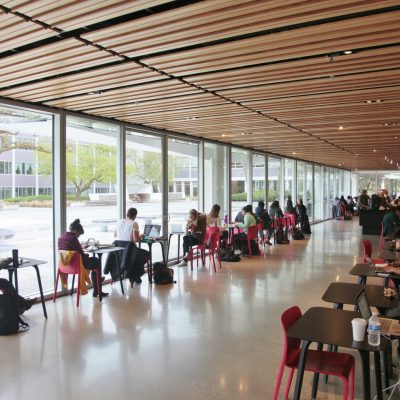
40, 290
10, 275
16, 279
179, 245
332, 348
163, 253
151, 263
120, 272
316, 378
169, 245
378, 376
386, 366
300, 372
365, 374
99, 277
362, 280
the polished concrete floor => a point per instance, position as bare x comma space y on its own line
207, 337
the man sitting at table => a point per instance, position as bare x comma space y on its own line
196, 231
133, 258
69, 242
391, 222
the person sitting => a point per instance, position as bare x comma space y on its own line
249, 219
196, 231
69, 242
260, 209
363, 201
391, 222
302, 217
20, 303
289, 209
275, 210
351, 204
214, 220
133, 258
384, 204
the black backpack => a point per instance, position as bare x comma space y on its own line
10, 321
281, 236
162, 274
297, 234
230, 256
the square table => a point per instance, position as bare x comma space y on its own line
179, 234
333, 327
105, 250
363, 271
28, 262
341, 293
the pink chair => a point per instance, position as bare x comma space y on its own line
214, 247
318, 361
73, 268
200, 250
252, 234
367, 254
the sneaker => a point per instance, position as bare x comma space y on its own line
103, 294
183, 263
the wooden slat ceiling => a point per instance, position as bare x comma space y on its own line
269, 75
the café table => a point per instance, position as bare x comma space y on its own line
99, 251
25, 263
333, 327
179, 234
364, 271
340, 293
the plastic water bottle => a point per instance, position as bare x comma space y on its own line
374, 330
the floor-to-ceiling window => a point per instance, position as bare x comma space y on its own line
258, 179
274, 179
215, 177
183, 183
301, 183
144, 179
289, 180
26, 191
91, 172
239, 179
318, 193
309, 201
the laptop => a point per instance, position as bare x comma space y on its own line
152, 231
389, 327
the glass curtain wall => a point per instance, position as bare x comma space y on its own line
215, 177
258, 179
274, 180
309, 203
318, 193
183, 184
239, 179
289, 181
91, 170
26, 192
301, 183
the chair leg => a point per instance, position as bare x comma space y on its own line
56, 286
345, 388
352, 383
289, 383
73, 284
78, 290
213, 259
99, 288
279, 380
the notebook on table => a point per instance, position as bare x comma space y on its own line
389, 327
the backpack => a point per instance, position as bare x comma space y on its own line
162, 274
230, 256
281, 236
265, 219
297, 234
10, 321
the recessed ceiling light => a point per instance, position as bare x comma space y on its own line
339, 165
378, 101
374, 151
396, 137
341, 127
348, 52
356, 169
373, 101
223, 135
294, 153
390, 124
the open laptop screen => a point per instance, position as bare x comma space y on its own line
363, 305
152, 231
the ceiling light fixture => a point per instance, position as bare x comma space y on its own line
294, 153
373, 101
374, 151
341, 127
347, 52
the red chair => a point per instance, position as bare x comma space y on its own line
73, 268
367, 253
200, 250
318, 361
214, 247
252, 234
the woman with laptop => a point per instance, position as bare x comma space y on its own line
196, 231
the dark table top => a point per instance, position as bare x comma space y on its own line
369, 271
104, 250
330, 326
27, 262
346, 293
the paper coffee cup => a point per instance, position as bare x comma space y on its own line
359, 326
